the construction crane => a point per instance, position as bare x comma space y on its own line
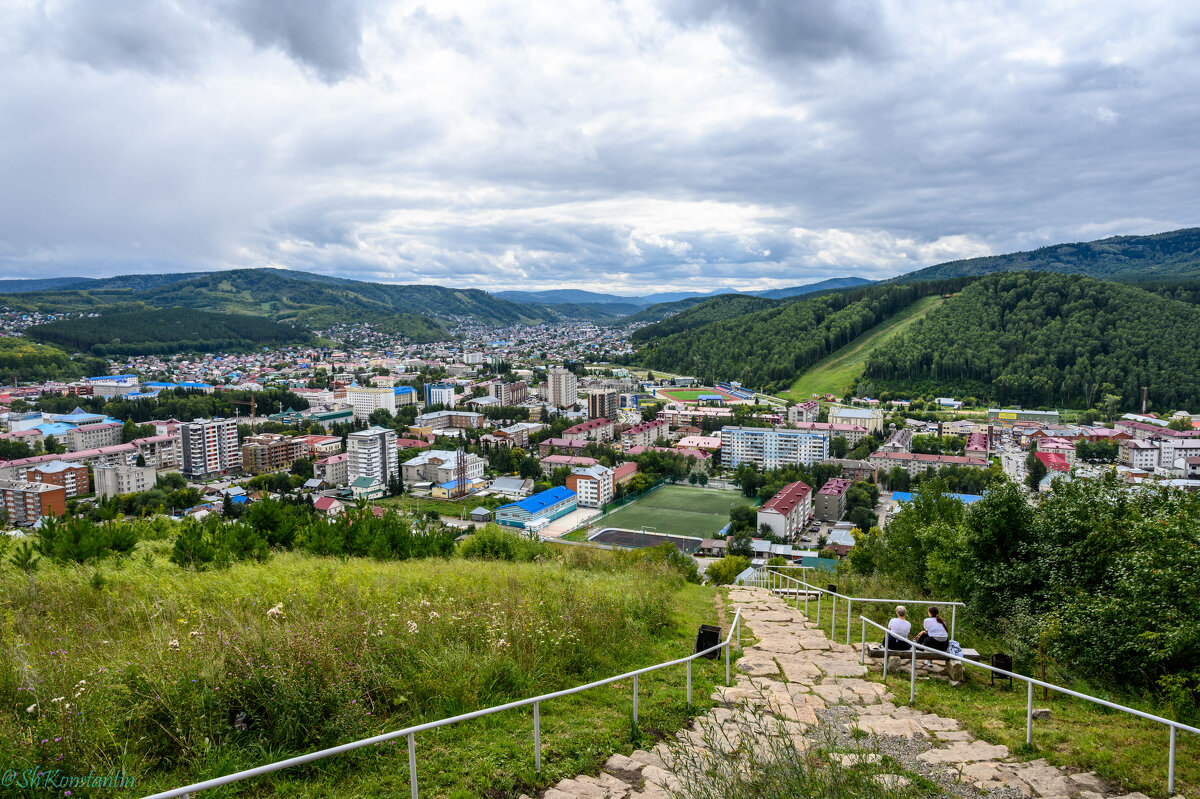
249, 402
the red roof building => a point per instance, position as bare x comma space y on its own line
788, 511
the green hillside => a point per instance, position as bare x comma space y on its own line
167, 331
1043, 339
1164, 256
767, 348
838, 373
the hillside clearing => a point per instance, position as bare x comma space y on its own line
837, 372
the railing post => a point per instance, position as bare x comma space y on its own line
849, 607
887, 655
1029, 715
820, 595
1171, 764
912, 679
537, 737
727, 664
953, 614
833, 622
805, 600
738, 619
689, 683
635, 693
862, 658
412, 764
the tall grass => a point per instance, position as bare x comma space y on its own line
139, 665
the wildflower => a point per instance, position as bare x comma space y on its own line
412, 627
32, 708
173, 643
194, 633
275, 611
433, 614
57, 699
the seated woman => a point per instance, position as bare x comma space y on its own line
898, 630
936, 634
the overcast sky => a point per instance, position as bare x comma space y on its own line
610, 145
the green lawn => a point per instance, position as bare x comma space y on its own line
678, 510
838, 371
689, 394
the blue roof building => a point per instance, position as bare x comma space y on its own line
531, 511
906, 496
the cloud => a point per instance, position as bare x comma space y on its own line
624, 146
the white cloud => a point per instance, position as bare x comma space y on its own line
617, 146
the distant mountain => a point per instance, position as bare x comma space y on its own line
810, 288
21, 285
1130, 259
580, 297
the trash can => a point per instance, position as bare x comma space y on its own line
831, 588
1001, 661
708, 636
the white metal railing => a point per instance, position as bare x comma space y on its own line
775, 580
912, 688
411, 732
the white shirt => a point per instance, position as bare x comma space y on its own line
900, 627
935, 629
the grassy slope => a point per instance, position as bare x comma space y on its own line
343, 640
838, 371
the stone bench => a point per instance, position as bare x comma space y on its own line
876, 651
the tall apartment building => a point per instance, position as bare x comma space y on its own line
209, 448
439, 394
593, 485
367, 399
509, 393
602, 403
562, 388
73, 477
25, 502
787, 512
92, 436
644, 434
372, 454
270, 452
771, 448
831, 500
113, 481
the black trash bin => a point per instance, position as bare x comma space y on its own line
1001, 661
831, 588
708, 636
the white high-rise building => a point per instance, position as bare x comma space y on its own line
367, 399
371, 453
562, 388
209, 448
771, 448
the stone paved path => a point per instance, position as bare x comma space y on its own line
794, 672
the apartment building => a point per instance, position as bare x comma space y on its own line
334, 469
439, 394
112, 385
979, 444
869, 418
27, 502
602, 403
365, 400
771, 447
593, 485
644, 434
1138, 453
804, 412
438, 466
562, 388
509, 393
831, 500
372, 454
441, 420
92, 436
270, 452
915, 462
73, 477
591, 430
853, 433
160, 452
112, 481
788, 511
899, 441
209, 448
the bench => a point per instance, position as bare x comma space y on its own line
876, 651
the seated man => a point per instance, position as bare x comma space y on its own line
898, 630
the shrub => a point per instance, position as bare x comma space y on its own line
726, 570
494, 542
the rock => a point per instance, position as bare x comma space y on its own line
892, 781
885, 725
1041, 712
1044, 779
956, 671
841, 668
1088, 781
968, 752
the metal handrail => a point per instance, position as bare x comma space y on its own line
912, 688
410, 732
850, 600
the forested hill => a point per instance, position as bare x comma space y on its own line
767, 348
1042, 339
1163, 256
167, 331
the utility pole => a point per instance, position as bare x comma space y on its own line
1144, 400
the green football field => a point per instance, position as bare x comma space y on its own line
678, 510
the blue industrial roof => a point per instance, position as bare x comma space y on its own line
967, 499
541, 501
404, 390
54, 428
158, 384
195, 385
